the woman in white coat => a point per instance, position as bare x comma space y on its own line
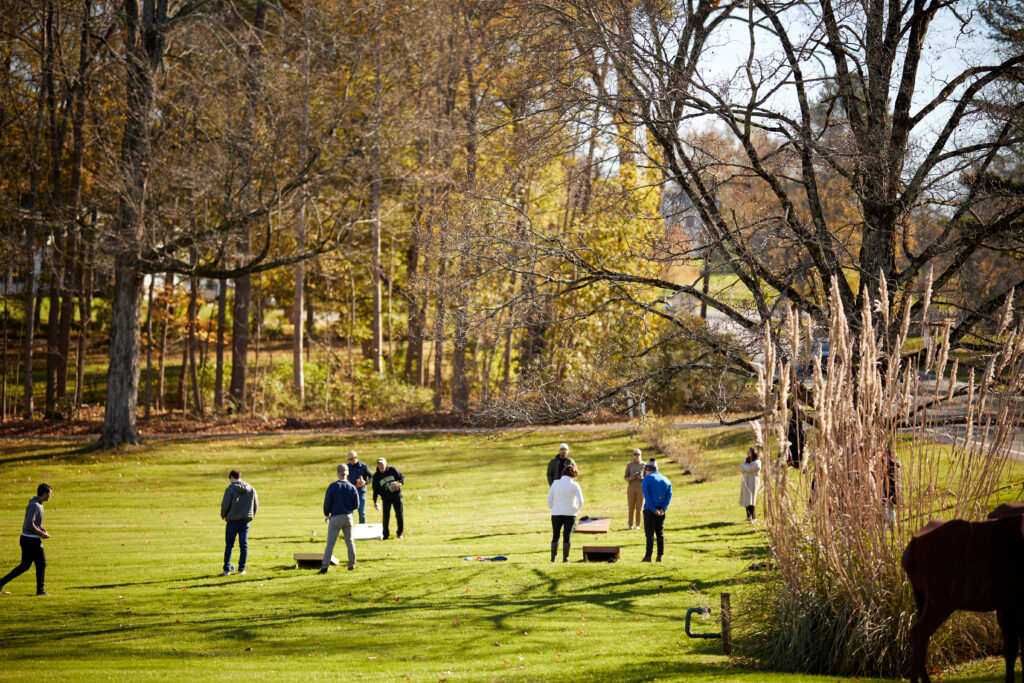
565, 498
751, 482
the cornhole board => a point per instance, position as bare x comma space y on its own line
313, 559
367, 532
600, 553
593, 525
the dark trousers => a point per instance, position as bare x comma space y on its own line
240, 529
395, 503
31, 552
750, 512
561, 525
654, 525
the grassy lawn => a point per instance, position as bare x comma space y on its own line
137, 544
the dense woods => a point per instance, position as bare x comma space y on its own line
513, 210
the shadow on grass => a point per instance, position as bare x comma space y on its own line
75, 455
710, 525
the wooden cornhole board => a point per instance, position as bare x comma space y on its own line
593, 525
367, 532
600, 553
313, 559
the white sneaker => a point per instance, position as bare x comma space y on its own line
241, 572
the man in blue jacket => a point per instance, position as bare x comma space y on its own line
657, 495
339, 502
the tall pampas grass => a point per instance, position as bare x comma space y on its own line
835, 599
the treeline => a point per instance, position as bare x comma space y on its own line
375, 169
518, 209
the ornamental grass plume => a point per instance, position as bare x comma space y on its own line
835, 599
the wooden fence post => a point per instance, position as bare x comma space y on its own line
726, 625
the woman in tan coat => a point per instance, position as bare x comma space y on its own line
751, 482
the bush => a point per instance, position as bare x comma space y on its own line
665, 438
836, 600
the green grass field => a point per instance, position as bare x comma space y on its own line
135, 558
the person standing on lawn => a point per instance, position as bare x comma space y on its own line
237, 508
359, 476
657, 495
32, 535
339, 502
565, 498
387, 483
634, 489
558, 463
751, 482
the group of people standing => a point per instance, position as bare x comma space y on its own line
648, 494
343, 498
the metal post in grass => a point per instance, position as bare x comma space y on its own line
726, 625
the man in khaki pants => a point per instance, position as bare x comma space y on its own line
634, 490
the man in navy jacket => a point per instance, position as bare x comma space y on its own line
339, 502
657, 495
359, 476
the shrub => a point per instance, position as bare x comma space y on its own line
835, 598
665, 438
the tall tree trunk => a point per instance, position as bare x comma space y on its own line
413, 370
351, 333
258, 325
67, 313
149, 350
218, 382
243, 286
144, 43
3, 371
84, 314
376, 343
193, 326
160, 373
119, 422
439, 342
298, 374
186, 338
31, 204
76, 223
52, 322
56, 205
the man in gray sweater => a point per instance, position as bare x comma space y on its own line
237, 508
32, 535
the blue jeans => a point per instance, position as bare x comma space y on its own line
238, 528
362, 504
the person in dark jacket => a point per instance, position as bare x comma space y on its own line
359, 476
387, 484
657, 495
796, 437
237, 508
558, 463
32, 535
339, 502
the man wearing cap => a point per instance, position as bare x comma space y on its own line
359, 475
387, 483
558, 463
657, 495
634, 489
339, 502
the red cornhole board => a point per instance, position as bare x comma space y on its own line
593, 525
600, 553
